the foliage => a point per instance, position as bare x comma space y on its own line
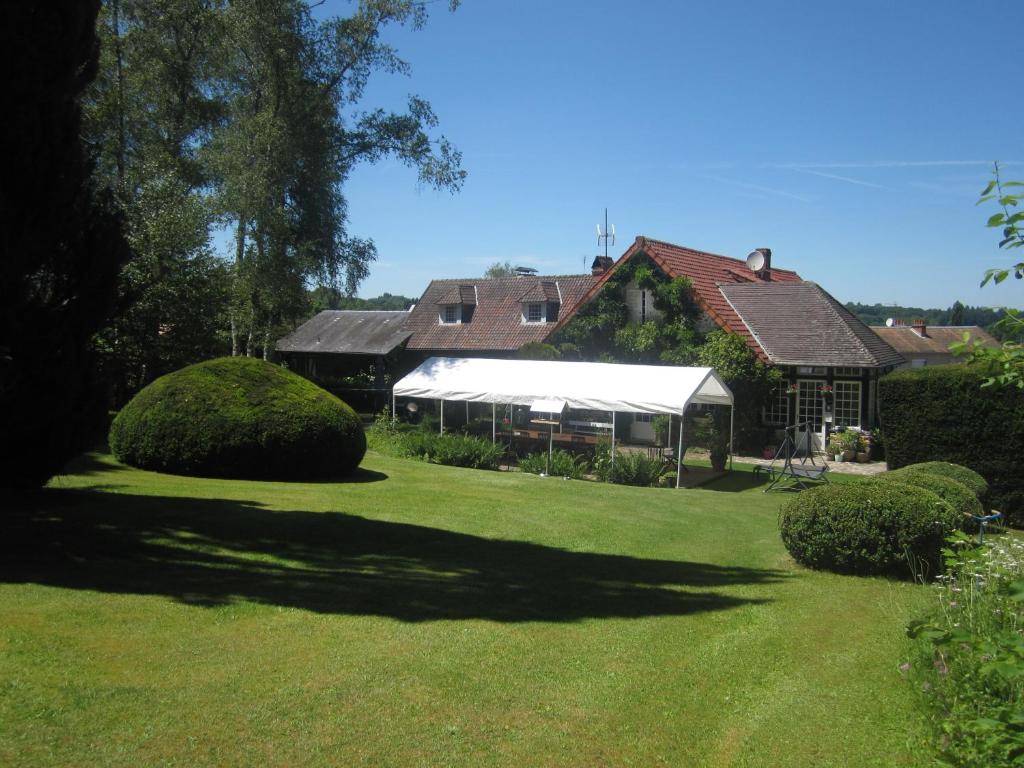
751, 382
538, 350
963, 475
968, 657
562, 464
500, 269
246, 116
452, 449
634, 468
840, 442
329, 297
600, 329
962, 498
237, 417
1008, 361
941, 413
63, 246
868, 527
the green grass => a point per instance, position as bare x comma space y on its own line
434, 616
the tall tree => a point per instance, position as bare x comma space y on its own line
62, 248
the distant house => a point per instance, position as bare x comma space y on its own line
923, 345
491, 317
829, 359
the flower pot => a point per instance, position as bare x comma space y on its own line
839, 457
863, 457
849, 455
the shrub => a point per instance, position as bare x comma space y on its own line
942, 413
635, 469
868, 527
563, 464
453, 450
968, 478
964, 499
238, 417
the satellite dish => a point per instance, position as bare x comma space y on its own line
889, 322
755, 261
411, 407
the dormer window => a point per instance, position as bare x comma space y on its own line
534, 312
450, 314
541, 302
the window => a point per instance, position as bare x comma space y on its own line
846, 406
552, 316
777, 411
450, 313
645, 418
811, 370
534, 313
847, 371
809, 406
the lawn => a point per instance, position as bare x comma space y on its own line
433, 616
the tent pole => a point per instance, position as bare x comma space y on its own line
613, 439
732, 414
467, 412
442, 417
494, 428
679, 453
394, 416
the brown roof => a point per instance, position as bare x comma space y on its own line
802, 324
350, 332
458, 294
706, 271
904, 339
496, 323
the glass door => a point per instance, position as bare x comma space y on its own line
809, 410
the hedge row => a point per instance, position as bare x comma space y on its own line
943, 413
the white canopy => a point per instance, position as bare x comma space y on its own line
592, 386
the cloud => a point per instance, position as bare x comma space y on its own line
886, 164
837, 177
759, 188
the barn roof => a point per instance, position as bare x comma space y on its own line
349, 332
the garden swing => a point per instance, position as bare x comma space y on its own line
794, 476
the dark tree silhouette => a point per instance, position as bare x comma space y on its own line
62, 249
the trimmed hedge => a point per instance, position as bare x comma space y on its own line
869, 527
241, 418
956, 494
966, 477
942, 413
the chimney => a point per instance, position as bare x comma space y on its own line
601, 265
765, 273
919, 327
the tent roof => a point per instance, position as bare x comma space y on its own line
595, 386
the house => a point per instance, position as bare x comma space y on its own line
829, 359
923, 345
491, 317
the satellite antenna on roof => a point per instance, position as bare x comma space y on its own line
520, 271
606, 235
889, 322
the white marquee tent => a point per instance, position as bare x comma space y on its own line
592, 386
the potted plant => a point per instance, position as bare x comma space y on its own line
863, 449
836, 446
846, 442
792, 390
825, 390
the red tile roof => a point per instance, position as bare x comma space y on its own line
496, 324
706, 271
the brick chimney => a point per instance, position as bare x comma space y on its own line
919, 327
601, 265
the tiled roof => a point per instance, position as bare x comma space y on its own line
543, 290
904, 339
348, 332
496, 323
458, 294
802, 324
706, 271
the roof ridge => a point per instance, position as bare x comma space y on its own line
506, 277
733, 259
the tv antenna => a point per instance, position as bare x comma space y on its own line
606, 235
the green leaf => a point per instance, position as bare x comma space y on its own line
995, 220
988, 188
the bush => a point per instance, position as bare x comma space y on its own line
872, 526
238, 417
635, 469
563, 464
942, 413
968, 478
453, 450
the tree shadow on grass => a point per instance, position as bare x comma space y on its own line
736, 481
213, 552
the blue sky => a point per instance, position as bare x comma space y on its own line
850, 138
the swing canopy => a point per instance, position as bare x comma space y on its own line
590, 386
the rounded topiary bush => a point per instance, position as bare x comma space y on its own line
963, 475
963, 499
868, 527
239, 417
